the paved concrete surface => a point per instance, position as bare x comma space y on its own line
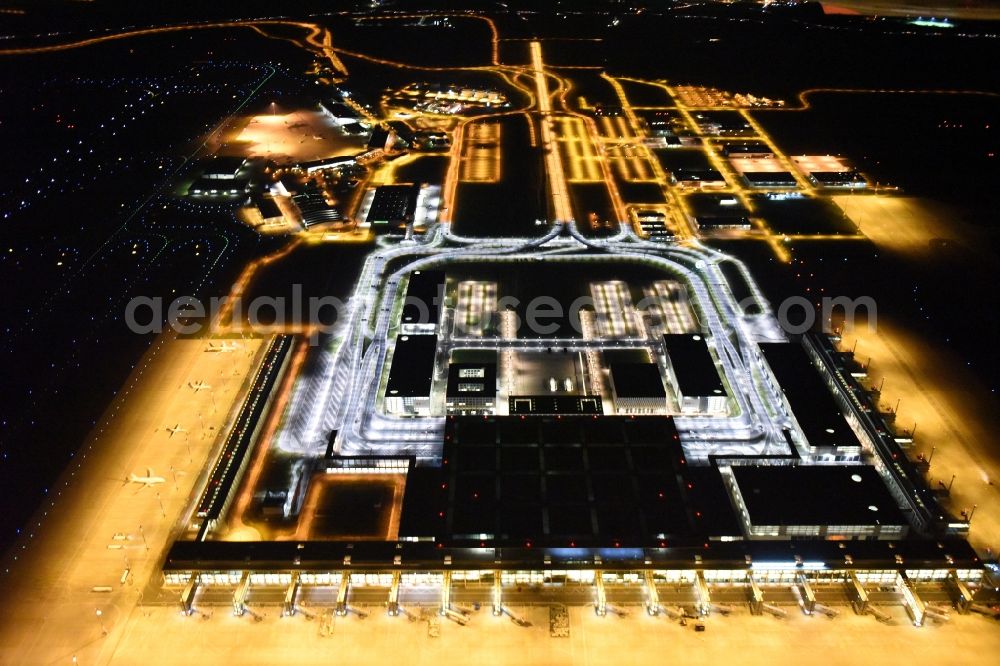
97, 526
638, 638
952, 412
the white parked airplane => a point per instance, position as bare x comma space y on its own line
148, 480
175, 429
200, 386
222, 347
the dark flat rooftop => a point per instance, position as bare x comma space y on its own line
697, 175
393, 204
693, 365
564, 481
837, 178
412, 366
339, 109
221, 185
765, 178
227, 166
267, 208
746, 148
816, 495
722, 221
378, 139
725, 119
424, 295
811, 400
637, 380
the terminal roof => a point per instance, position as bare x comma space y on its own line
816, 495
811, 400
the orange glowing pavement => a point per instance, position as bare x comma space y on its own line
99, 540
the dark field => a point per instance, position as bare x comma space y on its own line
510, 207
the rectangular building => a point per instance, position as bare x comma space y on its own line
769, 179
746, 149
697, 177
340, 113
219, 187
811, 401
422, 305
851, 180
223, 167
564, 482
693, 374
815, 501
722, 222
472, 388
411, 375
637, 388
392, 208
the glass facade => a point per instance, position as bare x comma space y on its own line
762, 574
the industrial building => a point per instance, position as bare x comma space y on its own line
223, 167
746, 149
314, 207
340, 113
265, 211
654, 225
769, 179
221, 176
722, 123
851, 180
392, 208
314, 166
224, 187
699, 178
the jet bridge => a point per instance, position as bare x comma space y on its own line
856, 592
241, 594
702, 593
961, 596
756, 596
807, 597
915, 606
288, 607
187, 596
652, 596
601, 603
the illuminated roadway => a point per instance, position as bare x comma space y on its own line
344, 394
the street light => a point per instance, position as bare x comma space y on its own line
100, 620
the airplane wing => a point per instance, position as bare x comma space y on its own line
149, 472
